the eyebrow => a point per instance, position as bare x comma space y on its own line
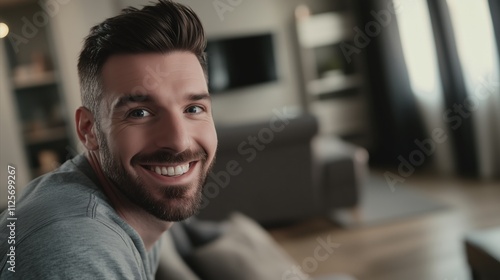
132, 98
199, 96
145, 98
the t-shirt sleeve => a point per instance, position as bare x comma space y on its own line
82, 248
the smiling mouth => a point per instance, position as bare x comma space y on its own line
169, 171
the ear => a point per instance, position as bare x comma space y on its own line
85, 128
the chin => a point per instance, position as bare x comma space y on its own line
171, 203
176, 209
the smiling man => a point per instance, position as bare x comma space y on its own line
147, 126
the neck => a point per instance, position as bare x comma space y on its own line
147, 226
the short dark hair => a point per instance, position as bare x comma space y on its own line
160, 28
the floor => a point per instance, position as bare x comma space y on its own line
425, 247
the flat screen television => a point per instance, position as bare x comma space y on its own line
240, 61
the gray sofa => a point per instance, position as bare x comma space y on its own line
279, 171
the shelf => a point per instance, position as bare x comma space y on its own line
336, 82
45, 135
35, 80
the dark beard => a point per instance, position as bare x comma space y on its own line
175, 204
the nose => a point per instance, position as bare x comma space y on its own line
172, 133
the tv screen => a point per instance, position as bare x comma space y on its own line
241, 61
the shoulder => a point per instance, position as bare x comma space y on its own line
66, 229
70, 181
63, 195
69, 187
80, 248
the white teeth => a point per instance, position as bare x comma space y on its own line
171, 170
178, 170
164, 171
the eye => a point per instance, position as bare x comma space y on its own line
194, 109
139, 113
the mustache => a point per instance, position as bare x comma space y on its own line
164, 156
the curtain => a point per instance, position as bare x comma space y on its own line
477, 50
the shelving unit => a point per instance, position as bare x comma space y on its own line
41, 118
333, 89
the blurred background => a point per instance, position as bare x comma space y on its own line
410, 89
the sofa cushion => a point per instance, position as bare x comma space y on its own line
244, 251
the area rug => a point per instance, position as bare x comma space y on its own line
379, 204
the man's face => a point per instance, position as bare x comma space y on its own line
156, 134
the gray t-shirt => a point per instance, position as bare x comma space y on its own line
66, 229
